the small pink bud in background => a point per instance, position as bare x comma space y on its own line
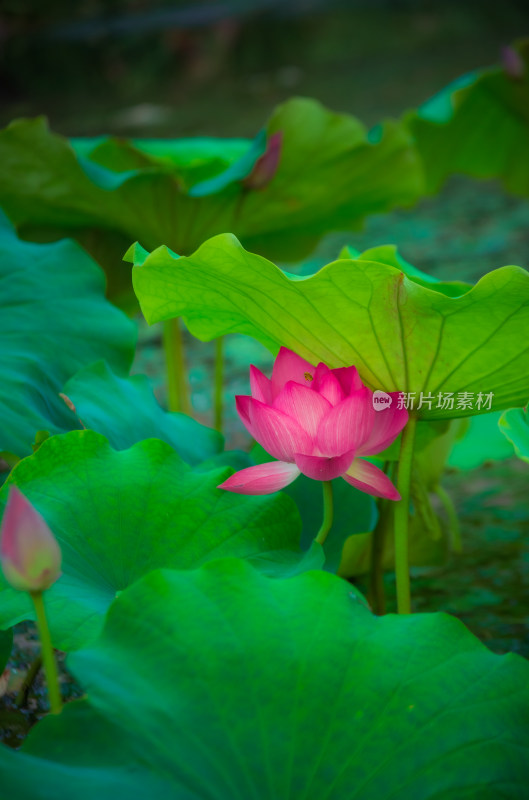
512, 62
266, 166
29, 553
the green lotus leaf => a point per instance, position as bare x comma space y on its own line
55, 320
481, 440
388, 254
400, 334
332, 173
222, 683
478, 126
193, 159
514, 424
119, 515
126, 411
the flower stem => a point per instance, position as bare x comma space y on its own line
377, 598
327, 513
48, 656
219, 364
455, 530
177, 388
401, 518
29, 680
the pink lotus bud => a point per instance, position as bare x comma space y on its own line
512, 63
266, 166
317, 421
29, 552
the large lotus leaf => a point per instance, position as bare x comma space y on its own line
402, 335
119, 515
55, 320
126, 411
331, 174
514, 424
226, 685
478, 126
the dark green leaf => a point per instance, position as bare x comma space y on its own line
223, 684
125, 411
55, 320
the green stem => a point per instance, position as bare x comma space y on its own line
401, 518
377, 596
48, 656
219, 364
29, 680
177, 388
453, 522
327, 512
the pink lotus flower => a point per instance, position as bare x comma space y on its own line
29, 553
316, 421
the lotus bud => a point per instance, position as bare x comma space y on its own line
266, 166
29, 553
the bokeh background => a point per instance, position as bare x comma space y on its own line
174, 68
218, 67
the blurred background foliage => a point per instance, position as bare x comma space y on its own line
218, 67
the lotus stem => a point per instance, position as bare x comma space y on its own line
401, 518
453, 522
48, 656
327, 513
377, 596
177, 385
219, 373
29, 680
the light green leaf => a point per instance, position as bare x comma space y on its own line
400, 334
126, 411
55, 320
388, 254
224, 684
119, 515
514, 424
